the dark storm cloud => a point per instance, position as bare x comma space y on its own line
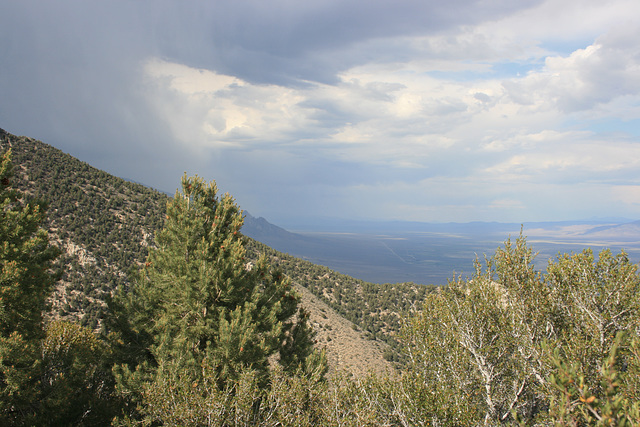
71, 69
69, 77
348, 98
286, 41
257, 40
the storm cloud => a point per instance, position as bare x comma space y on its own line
419, 110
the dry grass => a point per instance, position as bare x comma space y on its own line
347, 350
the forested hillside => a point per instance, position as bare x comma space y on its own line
104, 225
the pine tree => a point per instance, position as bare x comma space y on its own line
25, 283
199, 309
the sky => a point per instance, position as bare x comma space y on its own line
418, 110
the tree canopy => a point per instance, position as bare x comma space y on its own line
201, 309
491, 349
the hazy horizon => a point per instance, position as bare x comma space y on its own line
430, 253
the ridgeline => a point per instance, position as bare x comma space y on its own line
104, 224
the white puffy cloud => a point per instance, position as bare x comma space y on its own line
597, 74
208, 109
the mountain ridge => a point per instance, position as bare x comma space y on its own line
105, 224
430, 253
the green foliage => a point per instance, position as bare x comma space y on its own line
509, 344
295, 400
594, 299
290, 400
475, 341
20, 369
25, 283
76, 383
103, 224
56, 375
616, 404
200, 307
25, 257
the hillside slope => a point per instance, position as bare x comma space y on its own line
105, 224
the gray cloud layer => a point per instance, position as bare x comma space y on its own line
418, 110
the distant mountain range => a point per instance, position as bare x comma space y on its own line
430, 253
627, 232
